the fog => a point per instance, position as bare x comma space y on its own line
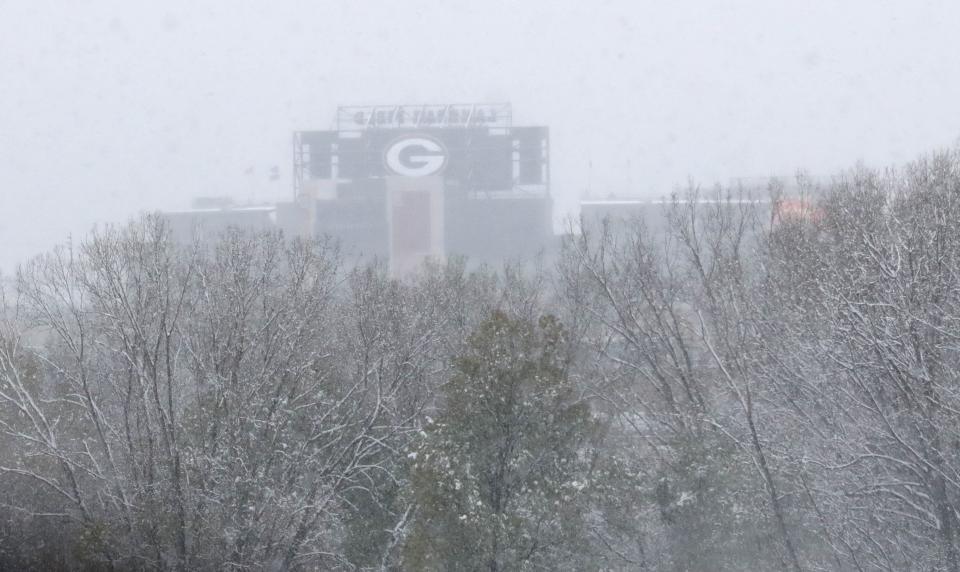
110, 109
360, 336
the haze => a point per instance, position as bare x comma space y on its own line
109, 109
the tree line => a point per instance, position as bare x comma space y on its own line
760, 383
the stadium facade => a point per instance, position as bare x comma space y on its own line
411, 182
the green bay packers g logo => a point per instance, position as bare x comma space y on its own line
415, 156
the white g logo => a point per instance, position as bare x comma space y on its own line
417, 156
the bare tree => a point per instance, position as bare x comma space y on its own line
204, 406
677, 348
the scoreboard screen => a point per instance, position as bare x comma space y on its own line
468, 158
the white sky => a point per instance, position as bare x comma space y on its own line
108, 108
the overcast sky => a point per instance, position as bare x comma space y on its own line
109, 108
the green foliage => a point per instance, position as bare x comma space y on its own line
91, 546
498, 479
368, 525
707, 501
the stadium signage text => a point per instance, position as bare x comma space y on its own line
425, 116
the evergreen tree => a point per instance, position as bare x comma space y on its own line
499, 479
